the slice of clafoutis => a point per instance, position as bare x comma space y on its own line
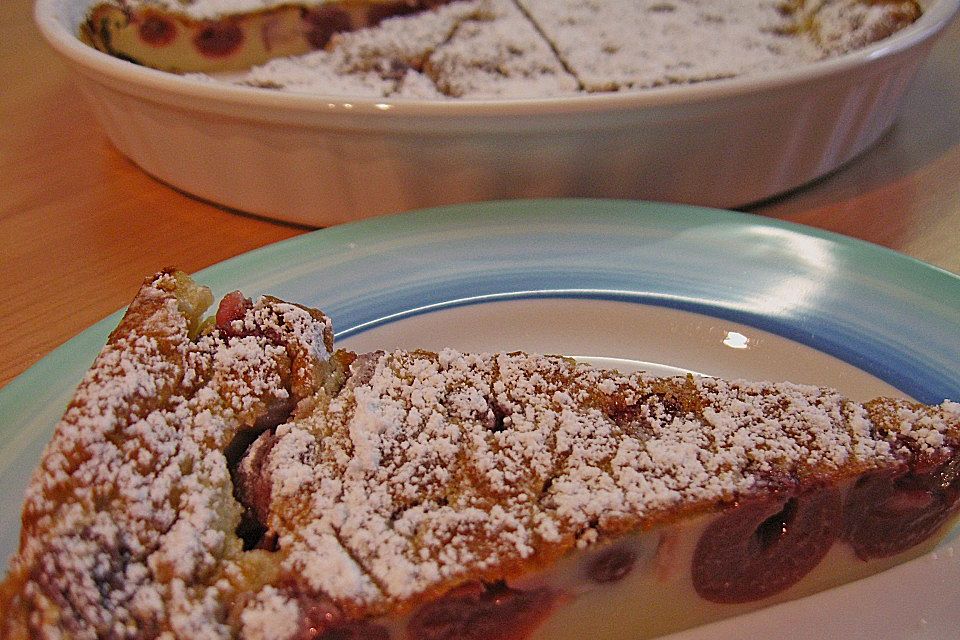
192, 37
239, 478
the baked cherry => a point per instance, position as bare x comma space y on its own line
322, 620
252, 487
765, 545
323, 22
157, 30
890, 512
612, 564
482, 612
253, 483
232, 307
359, 630
381, 11
218, 39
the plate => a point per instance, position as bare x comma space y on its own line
628, 284
314, 159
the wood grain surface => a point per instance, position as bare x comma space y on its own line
81, 226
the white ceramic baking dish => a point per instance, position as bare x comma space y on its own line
320, 161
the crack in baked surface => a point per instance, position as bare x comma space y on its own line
442, 49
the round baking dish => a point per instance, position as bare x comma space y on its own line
319, 161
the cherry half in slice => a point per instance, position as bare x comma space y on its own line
233, 307
482, 612
612, 564
157, 30
887, 513
218, 39
765, 545
321, 619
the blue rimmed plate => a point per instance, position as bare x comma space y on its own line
628, 284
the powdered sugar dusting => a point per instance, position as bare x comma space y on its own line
500, 54
439, 468
622, 44
839, 26
378, 487
271, 616
384, 61
132, 509
481, 49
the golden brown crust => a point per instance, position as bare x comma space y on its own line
451, 468
382, 481
133, 495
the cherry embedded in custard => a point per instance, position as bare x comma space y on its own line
218, 39
359, 630
157, 30
612, 564
323, 22
888, 513
321, 619
764, 546
377, 12
252, 480
482, 612
252, 487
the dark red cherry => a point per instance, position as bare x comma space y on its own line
232, 307
765, 545
381, 11
889, 512
612, 564
359, 630
321, 619
252, 482
323, 22
482, 612
218, 39
157, 30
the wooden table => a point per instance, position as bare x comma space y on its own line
80, 226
